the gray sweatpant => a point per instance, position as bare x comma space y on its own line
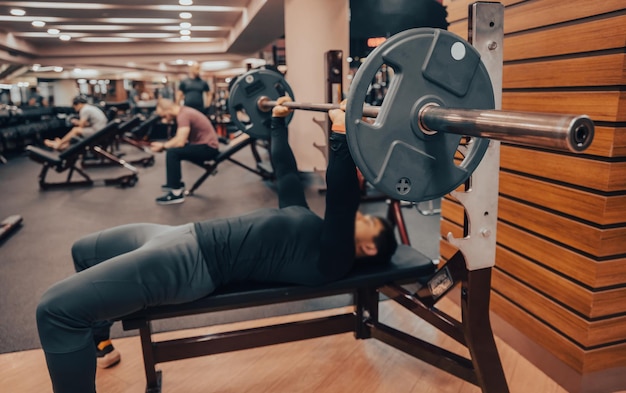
119, 271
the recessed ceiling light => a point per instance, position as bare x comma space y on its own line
58, 69
185, 38
185, 15
185, 32
185, 2
17, 12
185, 25
38, 23
180, 61
54, 31
65, 37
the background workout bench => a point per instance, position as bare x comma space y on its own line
69, 159
263, 169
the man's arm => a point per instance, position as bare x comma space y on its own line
178, 140
180, 93
208, 97
342, 201
337, 247
288, 184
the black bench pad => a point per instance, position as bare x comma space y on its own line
407, 265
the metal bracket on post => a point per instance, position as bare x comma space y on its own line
480, 199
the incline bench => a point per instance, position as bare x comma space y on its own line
69, 159
226, 154
366, 284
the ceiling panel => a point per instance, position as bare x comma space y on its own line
136, 35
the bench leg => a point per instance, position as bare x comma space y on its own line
366, 304
153, 377
475, 294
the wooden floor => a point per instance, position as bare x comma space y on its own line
337, 364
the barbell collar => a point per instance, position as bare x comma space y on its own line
553, 131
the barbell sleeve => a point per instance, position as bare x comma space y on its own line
553, 131
562, 132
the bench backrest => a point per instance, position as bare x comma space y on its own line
79, 147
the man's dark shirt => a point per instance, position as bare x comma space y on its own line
290, 244
194, 89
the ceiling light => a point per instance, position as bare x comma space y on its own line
180, 61
17, 12
105, 39
185, 32
58, 69
54, 31
185, 38
185, 2
185, 25
65, 37
38, 23
185, 15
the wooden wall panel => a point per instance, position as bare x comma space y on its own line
560, 274
522, 15
583, 331
597, 71
586, 205
578, 267
605, 176
601, 242
598, 35
604, 106
584, 360
608, 142
553, 285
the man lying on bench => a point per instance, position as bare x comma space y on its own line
129, 268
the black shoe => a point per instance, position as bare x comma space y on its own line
107, 355
166, 188
170, 198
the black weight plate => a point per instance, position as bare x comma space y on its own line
244, 96
431, 66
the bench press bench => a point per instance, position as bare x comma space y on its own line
408, 266
366, 284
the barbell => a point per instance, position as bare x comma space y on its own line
434, 124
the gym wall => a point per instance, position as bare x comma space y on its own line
559, 285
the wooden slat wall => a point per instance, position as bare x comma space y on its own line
560, 275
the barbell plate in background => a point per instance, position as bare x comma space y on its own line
431, 66
244, 96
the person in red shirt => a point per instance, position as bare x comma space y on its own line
195, 141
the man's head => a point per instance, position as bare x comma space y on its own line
167, 109
78, 103
194, 70
374, 239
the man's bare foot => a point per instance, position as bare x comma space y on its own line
53, 144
